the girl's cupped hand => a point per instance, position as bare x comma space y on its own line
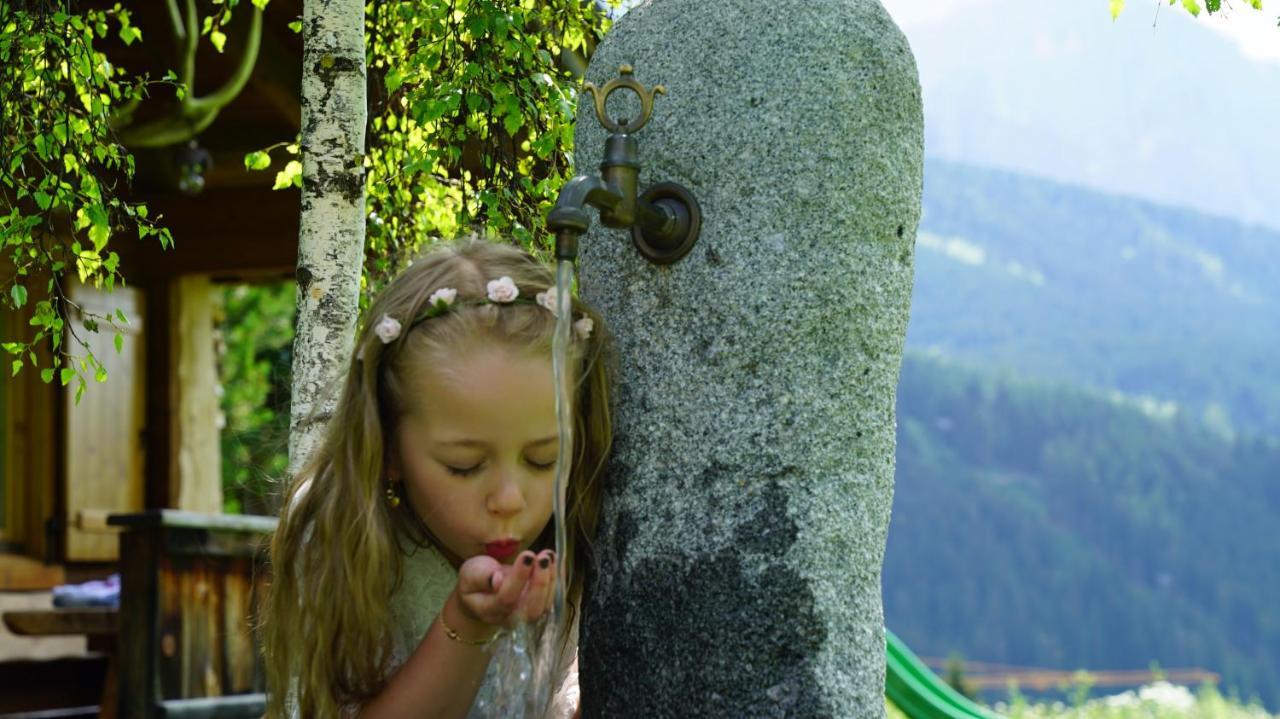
499, 594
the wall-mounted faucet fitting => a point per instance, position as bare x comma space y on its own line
664, 219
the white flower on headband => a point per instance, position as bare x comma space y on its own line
582, 328
503, 290
547, 299
387, 329
442, 297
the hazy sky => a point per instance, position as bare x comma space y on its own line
1254, 32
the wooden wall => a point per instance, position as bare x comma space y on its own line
104, 432
31, 442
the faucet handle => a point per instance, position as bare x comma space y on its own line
625, 80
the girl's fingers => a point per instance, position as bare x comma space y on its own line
514, 579
541, 587
499, 593
477, 574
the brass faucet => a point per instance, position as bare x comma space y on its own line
664, 219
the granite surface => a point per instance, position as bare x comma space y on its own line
750, 489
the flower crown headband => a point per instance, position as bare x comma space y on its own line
502, 291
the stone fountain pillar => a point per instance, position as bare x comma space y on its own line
738, 568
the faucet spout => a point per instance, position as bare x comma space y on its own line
569, 218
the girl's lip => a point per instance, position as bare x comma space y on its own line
502, 549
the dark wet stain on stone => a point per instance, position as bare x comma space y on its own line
901, 229
771, 530
680, 625
624, 532
715, 472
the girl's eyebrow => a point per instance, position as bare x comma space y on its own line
481, 444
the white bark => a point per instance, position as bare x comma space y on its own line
331, 236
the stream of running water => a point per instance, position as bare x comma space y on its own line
526, 660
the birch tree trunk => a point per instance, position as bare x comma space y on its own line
331, 236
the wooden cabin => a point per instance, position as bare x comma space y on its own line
148, 438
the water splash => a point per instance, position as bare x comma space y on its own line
526, 661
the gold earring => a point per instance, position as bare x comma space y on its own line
392, 496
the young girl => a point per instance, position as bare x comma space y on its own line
423, 526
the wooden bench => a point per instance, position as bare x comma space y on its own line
63, 687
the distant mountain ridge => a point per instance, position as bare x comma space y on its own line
1042, 525
1061, 282
1149, 104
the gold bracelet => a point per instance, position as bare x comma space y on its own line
449, 632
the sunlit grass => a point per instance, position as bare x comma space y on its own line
1160, 700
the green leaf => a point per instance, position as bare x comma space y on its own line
19, 295
1213, 5
41, 143
296, 26
42, 200
290, 175
219, 39
128, 34
257, 160
1192, 7
46, 375
99, 228
260, 4
1117, 6
100, 374
394, 80
513, 122
65, 375
119, 340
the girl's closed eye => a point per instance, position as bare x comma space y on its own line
463, 471
468, 471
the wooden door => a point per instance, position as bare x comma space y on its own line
104, 450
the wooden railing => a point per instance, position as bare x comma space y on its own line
191, 585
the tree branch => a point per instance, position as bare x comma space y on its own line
194, 114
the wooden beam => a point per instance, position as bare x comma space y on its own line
161, 460
236, 706
197, 486
229, 233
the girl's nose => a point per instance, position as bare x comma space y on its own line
507, 498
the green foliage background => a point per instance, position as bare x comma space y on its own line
60, 178
256, 329
64, 176
470, 129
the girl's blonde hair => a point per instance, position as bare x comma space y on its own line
337, 554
